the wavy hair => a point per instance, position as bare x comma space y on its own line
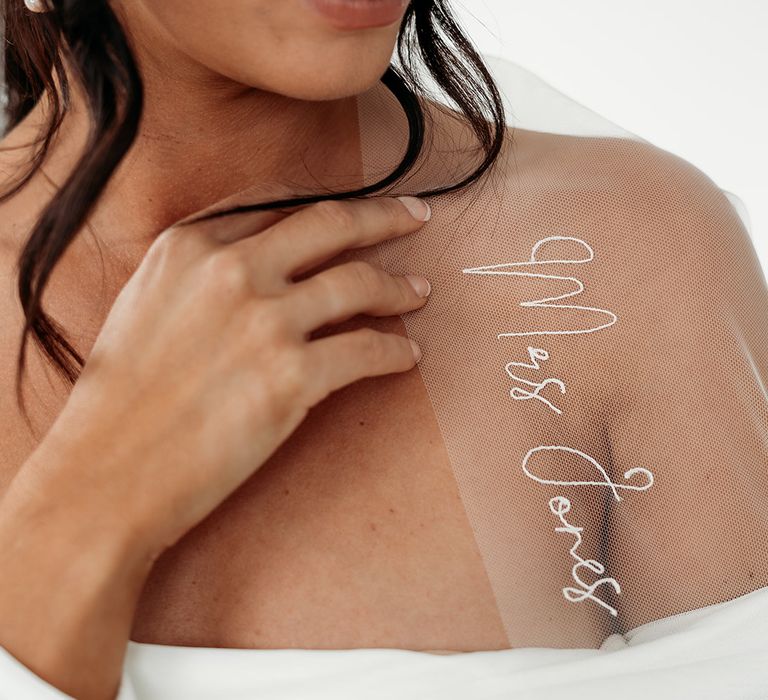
89, 35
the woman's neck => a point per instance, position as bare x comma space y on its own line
203, 137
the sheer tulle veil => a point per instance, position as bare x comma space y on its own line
596, 356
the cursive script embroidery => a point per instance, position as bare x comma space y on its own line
606, 479
545, 302
521, 394
560, 505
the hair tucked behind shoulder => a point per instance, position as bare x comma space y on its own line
92, 39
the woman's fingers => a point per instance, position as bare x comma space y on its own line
355, 287
347, 357
321, 231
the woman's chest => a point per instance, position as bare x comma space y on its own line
353, 534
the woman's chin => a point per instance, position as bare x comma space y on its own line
331, 83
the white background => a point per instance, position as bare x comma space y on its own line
690, 76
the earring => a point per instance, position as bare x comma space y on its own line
37, 5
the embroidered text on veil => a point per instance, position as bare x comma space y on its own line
560, 505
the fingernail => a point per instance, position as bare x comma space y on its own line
420, 284
416, 350
419, 209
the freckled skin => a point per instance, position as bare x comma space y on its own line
345, 538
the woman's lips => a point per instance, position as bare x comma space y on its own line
359, 14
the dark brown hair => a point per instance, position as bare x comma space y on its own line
92, 39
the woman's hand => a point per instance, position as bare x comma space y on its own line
203, 366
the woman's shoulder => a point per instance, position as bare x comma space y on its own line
628, 246
592, 176
632, 207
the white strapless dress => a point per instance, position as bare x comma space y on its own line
715, 653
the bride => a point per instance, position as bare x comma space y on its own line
305, 345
